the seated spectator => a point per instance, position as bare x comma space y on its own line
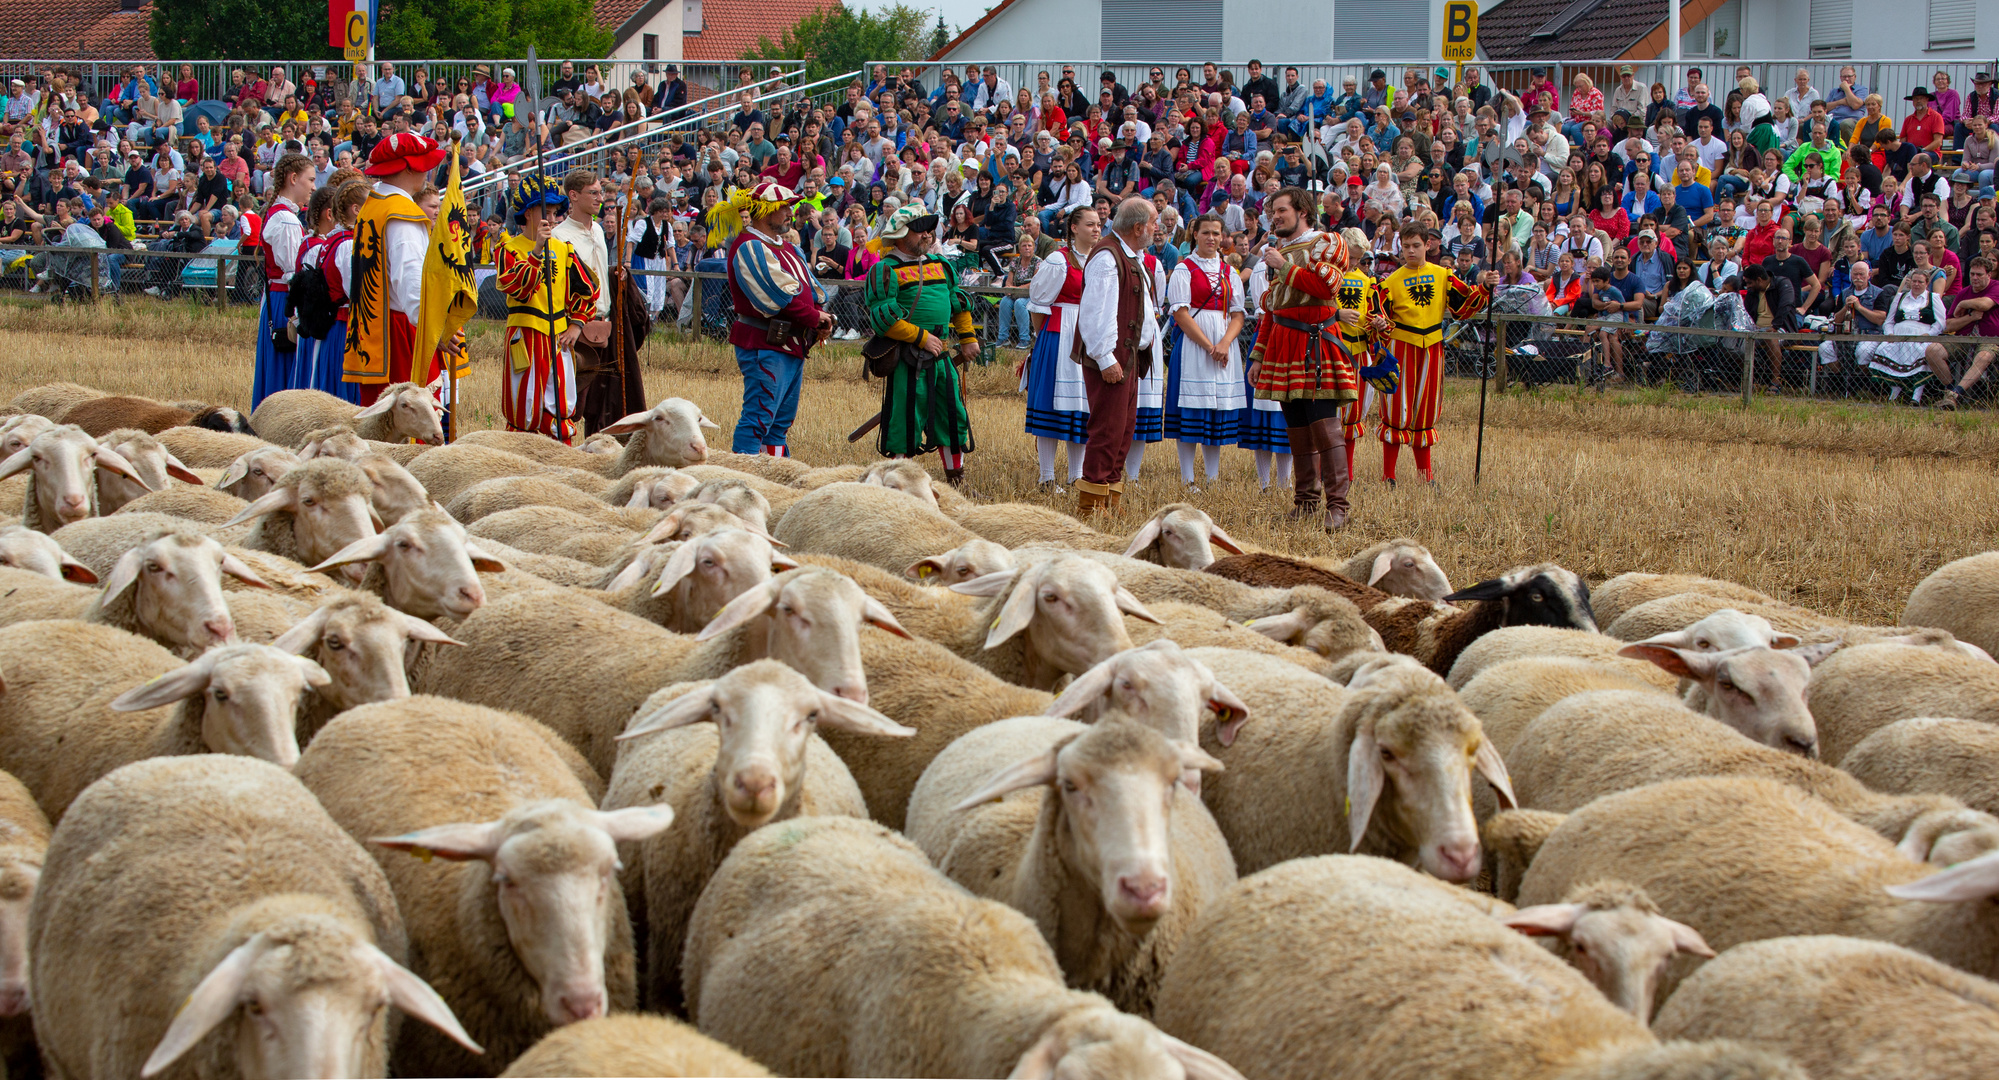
1981, 154
1974, 311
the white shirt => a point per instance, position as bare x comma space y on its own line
284, 232
984, 97
1710, 152
406, 241
1908, 201
590, 248
1097, 319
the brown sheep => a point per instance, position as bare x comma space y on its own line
101, 415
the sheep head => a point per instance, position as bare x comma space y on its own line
704, 574
767, 714
64, 461
737, 498
809, 618
1100, 1043
1164, 689
904, 475
1756, 690
362, 645
178, 578
1406, 568
1615, 935
659, 491
672, 432
331, 506
974, 558
249, 697
148, 457
252, 476
430, 568
1071, 608
1182, 536
409, 412
25, 549
554, 878
1542, 595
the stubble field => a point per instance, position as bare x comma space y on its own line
1842, 508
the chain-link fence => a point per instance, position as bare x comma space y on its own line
193, 268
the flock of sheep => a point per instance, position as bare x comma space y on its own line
331, 750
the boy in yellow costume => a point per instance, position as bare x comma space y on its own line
1415, 298
550, 295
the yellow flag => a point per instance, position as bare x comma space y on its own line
449, 299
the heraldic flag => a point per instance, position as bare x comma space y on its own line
449, 298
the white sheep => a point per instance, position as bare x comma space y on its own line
1723, 630
83, 699
52, 399
521, 926
669, 433
780, 470
1842, 1009
1613, 598
1383, 766
631, 1044
24, 842
16, 432
167, 588
1399, 567
1368, 969
363, 646
552, 530
737, 498
609, 662
315, 512
1507, 696
1089, 833
154, 465
1177, 534
203, 917
1745, 859
203, 507
684, 585
1931, 755
427, 566
889, 969
657, 487
403, 411
514, 492
447, 471
1616, 936
201, 448
728, 757
1860, 689
22, 548
869, 524
1958, 597
62, 465
252, 474
974, 558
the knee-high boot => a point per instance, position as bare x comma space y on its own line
1307, 492
1329, 440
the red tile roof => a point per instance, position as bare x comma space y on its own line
991, 14
74, 30
612, 14
730, 28
1627, 29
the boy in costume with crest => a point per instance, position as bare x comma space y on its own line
550, 295
1415, 297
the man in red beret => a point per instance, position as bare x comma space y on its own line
386, 284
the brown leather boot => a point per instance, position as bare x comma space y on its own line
1329, 439
1116, 495
1306, 488
1090, 499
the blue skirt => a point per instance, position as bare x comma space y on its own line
1151, 426
320, 363
275, 370
1042, 417
1212, 427
1259, 429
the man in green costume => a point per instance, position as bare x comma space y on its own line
913, 297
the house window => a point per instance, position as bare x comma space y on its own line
690, 17
1831, 30
1719, 35
1953, 24
650, 44
1138, 30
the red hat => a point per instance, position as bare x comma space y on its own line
404, 151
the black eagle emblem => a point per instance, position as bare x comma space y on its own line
1424, 293
1351, 296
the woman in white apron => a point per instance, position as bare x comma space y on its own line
1058, 409
1916, 311
1150, 426
1260, 425
651, 244
1205, 396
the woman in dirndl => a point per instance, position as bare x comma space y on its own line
1058, 409
1260, 425
1206, 387
651, 240
331, 214
1150, 421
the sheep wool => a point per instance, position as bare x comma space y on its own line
1960, 597
24, 843
875, 525
1612, 599
1958, 758
1857, 690
201, 505
52, 399
631, 1045
1507, 696
200, 448
1518, 642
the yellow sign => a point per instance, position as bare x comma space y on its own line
1461, 30
357, 34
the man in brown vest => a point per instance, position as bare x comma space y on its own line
1115, 330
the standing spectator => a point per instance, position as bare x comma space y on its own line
1924, 127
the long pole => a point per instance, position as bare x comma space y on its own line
451, 362
547, 258
1484, 378
1673, 36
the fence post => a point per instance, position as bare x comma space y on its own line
95, 294
694, 297
1499, 353
221, 292
1749, 368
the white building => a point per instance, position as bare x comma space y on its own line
1228, 31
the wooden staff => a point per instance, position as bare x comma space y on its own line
617, 292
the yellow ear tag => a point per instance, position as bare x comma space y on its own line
995, 624
423, 854
1349, 809
925, 571
1249, 622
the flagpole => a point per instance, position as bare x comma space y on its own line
451, 362
547, 260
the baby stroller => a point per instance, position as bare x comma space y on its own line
1538, 353
1697, 362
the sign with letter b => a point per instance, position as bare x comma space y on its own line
1461, 30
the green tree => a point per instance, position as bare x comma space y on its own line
940, 35
238, 29
835, 40
409, 30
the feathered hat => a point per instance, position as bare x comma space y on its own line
727, 217
905, 220
538, 191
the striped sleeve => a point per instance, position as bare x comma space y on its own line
763, 279
520, 274
1465, 300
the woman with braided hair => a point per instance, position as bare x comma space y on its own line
550, 295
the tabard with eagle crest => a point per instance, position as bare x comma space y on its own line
1417, 299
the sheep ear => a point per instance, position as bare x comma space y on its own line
1687, 939
1037, 771
108, 458
1493, 767
925, 569
416, 998
1040, 1060
641, 496
1973, 879
1197, 1063
1365, 778
1281, 627
1222, 539
1230, 713
633, 422
1784, 641
419, 630
1083, 690
278, 498
1814, 655
845, 715
1682, 638
1016, 612
461, 842
21, 460
1546, 920
1490, 589
1685, 664
482, 562
634, 571
752, 603
1383, 563
241, 571
76, 571
302, 636
635, 823
678, 566
314, 675
663, 529
123, 574
214, 1000
366, 549
1193, 757
1147, 535
876, 614
181, 472
780, 562
236, 471
182, 682
707, 423
992, 584
691, 707
1129, 604
381, 405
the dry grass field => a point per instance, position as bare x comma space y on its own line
1843, 508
